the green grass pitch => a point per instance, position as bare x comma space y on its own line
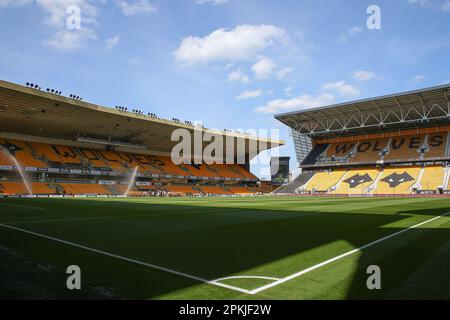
225, 248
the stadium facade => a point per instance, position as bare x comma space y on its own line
51, 145
391, 145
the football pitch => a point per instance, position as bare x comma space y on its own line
225, 248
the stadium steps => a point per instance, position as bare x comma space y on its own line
386, 150
418, 184
446, 179
447, 147
371, 189
214, 171
352, 153
315, 153
84, 161
423, 147
185, 169
112, 189
58, 189
336, 186
301, 180
35, 154
236, 171
226, 189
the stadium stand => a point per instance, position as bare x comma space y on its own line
323, 181
447, 179
66, 147
317, 151
397, 180
18, 188
397, 148
215, 190
370, 150
433, 178
356, 181
377, 146
84, 188
299, 181
49, 157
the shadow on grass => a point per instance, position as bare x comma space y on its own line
213, 242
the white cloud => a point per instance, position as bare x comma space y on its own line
214, 2
446, 6
112, 42
363, 75
56, 17
57, 9
66, 40
419, 78
342, 88
250, 94
263, 69
281, 74
288, 91
299, 103
241, 43
354, 30
238, 76
343, 37
131, 8
421, 2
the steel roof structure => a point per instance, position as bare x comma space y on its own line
419, 108
28, 111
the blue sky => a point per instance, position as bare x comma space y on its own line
229, 63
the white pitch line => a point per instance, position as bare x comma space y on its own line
298, 274
245, 277
215, 282
182, 274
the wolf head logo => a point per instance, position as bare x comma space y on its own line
358, 179
396, 179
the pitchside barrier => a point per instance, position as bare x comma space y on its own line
445, 194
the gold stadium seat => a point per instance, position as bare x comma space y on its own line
409, 147
14, 188
241, 190
215, 190
322, 181
5, 159
356, 181
22, 152
169, 167
46, 151
433, 177
244, 172
93, 157
340, 149
369, 151
398, 180
436, 145
41, 188
19, 188
181, 189
84, 188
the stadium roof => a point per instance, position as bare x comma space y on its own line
34, 112
419, 108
